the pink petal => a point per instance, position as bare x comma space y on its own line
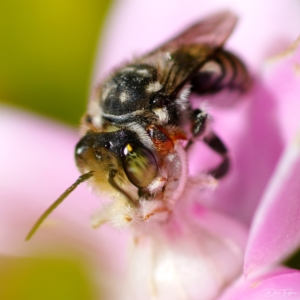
279, 283
196, 253
275, 232
282, 77
279, 210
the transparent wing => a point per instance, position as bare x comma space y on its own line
181, 57
211, 32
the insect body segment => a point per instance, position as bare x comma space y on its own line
128, 90
140, 123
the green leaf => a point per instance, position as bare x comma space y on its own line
45, 278
47, 50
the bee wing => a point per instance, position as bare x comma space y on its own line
178, 59
212, 32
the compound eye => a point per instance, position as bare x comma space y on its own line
139, 164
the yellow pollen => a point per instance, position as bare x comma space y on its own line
129, 148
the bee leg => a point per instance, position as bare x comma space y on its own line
199, 128
113, 183
199, 125
216, 144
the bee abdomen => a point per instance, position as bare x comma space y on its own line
223, 71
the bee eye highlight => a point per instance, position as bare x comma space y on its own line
139, 164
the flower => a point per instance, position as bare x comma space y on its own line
274, 232
199, 253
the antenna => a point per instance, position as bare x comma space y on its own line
67, 192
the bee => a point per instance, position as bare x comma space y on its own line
140, 123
